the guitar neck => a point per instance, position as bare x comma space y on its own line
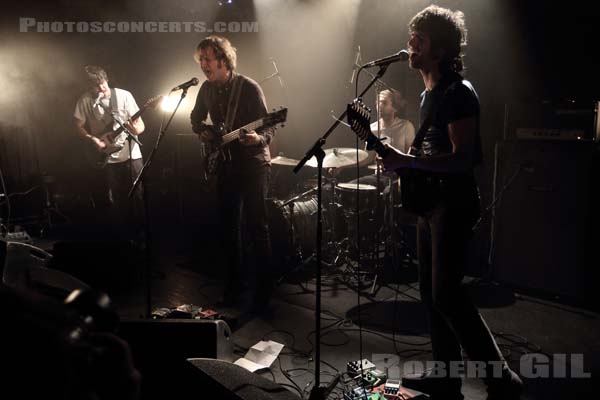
373, 143
135, 116
233, 135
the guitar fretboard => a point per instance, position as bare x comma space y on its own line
228, 137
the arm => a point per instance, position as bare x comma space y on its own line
135, 127
82, 132
257, 106
462, 136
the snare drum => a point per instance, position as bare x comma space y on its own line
367, 196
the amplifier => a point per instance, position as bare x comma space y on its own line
550, 134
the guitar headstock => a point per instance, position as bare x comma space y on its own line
276, 117
153, 101
359, 118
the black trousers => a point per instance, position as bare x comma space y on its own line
124, 213
242, 195
443, 236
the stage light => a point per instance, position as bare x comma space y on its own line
169, 103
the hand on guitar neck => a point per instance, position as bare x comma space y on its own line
395, 159
359, 116
249, 138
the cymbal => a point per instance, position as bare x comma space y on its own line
280, 160
374, 166
339, 157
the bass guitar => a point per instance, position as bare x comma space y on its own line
217, 151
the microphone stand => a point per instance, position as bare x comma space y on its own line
318, 392
140, 180
130, 136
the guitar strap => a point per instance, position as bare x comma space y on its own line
420, 136
234, 100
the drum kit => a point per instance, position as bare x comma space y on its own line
346, 207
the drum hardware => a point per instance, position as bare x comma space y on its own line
281, 160
340, 157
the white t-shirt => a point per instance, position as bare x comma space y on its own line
99, 117
401, 133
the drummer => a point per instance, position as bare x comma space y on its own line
395, 130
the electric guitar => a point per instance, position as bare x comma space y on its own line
217, 151
411, 181
114, 138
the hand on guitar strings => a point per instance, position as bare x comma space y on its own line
206, 135
100, 144
249, 138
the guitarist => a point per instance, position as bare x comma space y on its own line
93, 113
234, 100
445, 152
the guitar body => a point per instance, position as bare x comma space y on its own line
217, 151
214, 151
421, 190
98, 158
113, 138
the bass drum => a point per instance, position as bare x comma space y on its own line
293, 229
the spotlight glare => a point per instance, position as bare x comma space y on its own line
169, 103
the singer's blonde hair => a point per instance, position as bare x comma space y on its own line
222, 48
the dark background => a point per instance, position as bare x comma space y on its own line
520, 54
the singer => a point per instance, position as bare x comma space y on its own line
443, 156
233, 100
93, 115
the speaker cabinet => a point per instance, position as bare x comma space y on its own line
545, 218
228, 381
160, 349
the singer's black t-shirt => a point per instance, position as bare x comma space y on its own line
450, 100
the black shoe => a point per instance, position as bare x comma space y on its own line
508, 387
436, 387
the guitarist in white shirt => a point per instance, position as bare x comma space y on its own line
96, 110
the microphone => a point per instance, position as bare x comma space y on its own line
97, 101
402, 55
186, 85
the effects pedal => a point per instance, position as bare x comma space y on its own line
358, 393
374, 378
354, 367
392, 388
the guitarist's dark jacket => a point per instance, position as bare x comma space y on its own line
213, 100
